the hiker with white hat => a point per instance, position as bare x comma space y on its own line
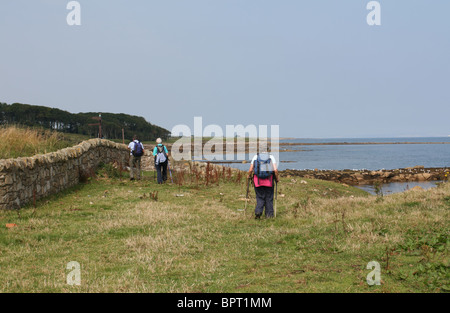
161, 160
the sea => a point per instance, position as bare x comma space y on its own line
377, 154
366, 156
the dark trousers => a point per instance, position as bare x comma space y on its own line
135, 167
161, 170
264, 198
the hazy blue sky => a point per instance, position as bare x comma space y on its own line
313, 67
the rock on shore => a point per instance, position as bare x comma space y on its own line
359, 177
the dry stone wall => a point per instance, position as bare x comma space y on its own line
24, 180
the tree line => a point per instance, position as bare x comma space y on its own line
78, 123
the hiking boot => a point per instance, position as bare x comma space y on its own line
131, 178
258, 216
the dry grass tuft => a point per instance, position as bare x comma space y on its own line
22, 142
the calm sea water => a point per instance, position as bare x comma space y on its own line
399, 187
371, 157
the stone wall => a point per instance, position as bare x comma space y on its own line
24, 180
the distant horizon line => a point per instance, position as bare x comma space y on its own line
281, 138
382, 137
317, 138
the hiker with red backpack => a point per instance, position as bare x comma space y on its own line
263, 170
161, 161
136, 152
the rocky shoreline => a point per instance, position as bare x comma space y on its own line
366, 177
350, 177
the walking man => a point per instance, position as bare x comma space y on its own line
136, 152
263, 171
161, 160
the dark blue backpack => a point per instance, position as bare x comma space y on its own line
137, 151
263, 167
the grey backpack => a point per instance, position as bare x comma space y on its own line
161, 155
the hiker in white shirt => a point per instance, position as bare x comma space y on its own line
136, 152
263, 170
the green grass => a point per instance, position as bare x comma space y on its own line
197, 238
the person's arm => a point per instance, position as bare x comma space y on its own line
166, 151
252, 167
250, 171
275, 171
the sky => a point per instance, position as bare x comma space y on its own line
315, 68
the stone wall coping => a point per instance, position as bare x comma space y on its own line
58, 156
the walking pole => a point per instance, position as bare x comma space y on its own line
140, 169
170, 171
154, 165
246, 197
276, 192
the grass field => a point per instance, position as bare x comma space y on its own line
143, 237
